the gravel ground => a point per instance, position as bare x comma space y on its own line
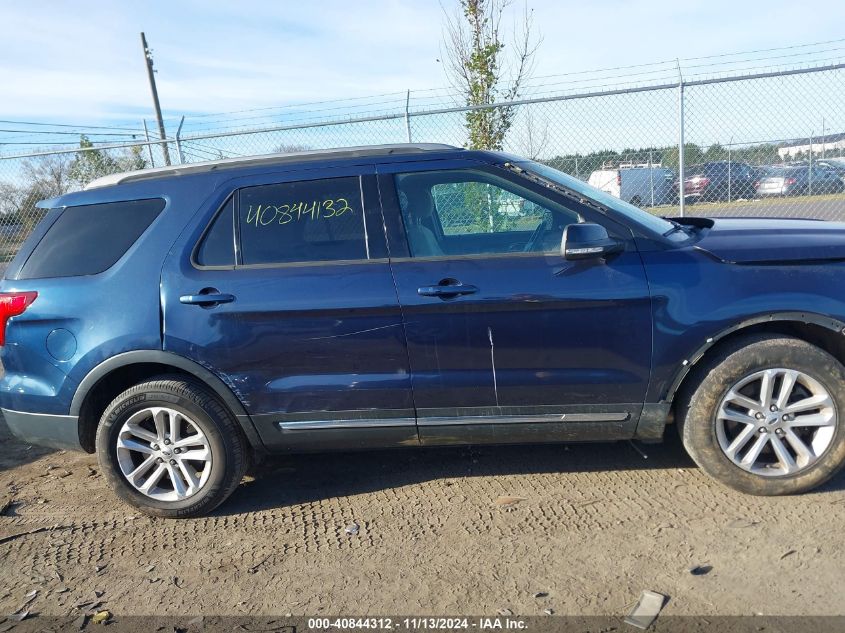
596, 524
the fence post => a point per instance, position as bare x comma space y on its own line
408, 115
810, 168
730, 143
179, 142
651, 177
149, 145
680, 141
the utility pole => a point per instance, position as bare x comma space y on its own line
148, 58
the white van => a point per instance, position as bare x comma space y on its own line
641, 185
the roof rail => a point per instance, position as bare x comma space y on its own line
269, 159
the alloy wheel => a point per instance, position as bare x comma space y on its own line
776, 422
163, 454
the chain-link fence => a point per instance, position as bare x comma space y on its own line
770, 143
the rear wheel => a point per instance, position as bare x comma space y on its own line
764, 415
170, 448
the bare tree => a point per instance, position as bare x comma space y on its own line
533, 138
49, 176
477, 65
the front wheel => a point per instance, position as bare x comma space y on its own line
169, 447
764, 415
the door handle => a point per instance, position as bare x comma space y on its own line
207, 299
446, 290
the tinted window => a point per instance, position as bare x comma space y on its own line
307, 221
217, 247
89, 239
462, 212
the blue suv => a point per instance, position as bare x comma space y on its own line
181, 321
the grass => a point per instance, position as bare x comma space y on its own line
739, 204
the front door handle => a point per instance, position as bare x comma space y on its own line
207, 299
446, 290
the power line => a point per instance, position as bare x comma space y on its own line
764, 50
77, 126
53, 132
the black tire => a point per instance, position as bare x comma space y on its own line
699, 400
636, 201
228, 446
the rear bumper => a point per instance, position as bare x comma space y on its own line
43, 429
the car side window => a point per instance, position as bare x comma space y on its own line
305, 221
217, 246
467, 212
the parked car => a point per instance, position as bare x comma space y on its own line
640, 185
836, 165
799, 180
721, 180
182, 321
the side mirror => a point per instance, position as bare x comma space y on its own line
587, 241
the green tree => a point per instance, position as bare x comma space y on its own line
692, 156
90, 163
477, 62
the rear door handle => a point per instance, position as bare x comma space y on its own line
210, 299
446, 290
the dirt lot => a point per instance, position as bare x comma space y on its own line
598, 524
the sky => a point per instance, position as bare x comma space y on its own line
81, 61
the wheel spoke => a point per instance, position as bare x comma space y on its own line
804, 452
190, 475
816, 401
783, 455
787, 385
176, 480
142, 468
814, 419
754, 452
153, 479
175, 420
133, 445
767, 385
735, 416
198, 455
191, 440
160, 418
740, 441
734, 397
141, 432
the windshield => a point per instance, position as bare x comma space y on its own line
643, 218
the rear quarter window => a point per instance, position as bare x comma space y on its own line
89, 239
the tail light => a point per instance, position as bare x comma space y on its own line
13, 304
703, 181
618, 179
756, 184
789, 181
